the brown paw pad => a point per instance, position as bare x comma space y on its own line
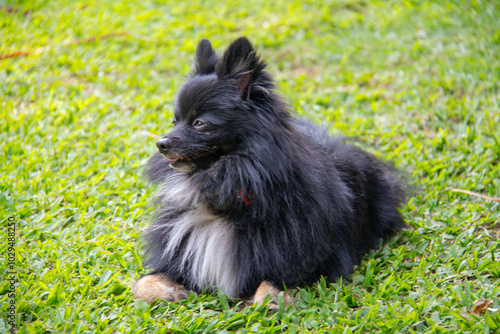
265, 289
152, 287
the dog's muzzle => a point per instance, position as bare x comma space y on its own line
164, 145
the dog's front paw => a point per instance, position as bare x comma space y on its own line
265, 289
158, 286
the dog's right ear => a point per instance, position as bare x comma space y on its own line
240, 62
206, 58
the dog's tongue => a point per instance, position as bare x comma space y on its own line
173, 159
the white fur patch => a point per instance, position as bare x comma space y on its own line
178, 191
209, 250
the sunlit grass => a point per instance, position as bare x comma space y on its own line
416, 81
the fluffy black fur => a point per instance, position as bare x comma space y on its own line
249, 193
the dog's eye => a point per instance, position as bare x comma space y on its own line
198, 124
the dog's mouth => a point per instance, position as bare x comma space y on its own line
183, 165
189, 164
173, 160
179, 163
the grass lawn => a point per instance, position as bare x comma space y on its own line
80, 81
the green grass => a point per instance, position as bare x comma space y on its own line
417, 81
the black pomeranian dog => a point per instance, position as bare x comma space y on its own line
252, 199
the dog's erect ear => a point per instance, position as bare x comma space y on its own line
239, 62
206, 58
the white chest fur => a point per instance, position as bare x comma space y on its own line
208, 252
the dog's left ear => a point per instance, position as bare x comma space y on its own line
239, 62
206, 58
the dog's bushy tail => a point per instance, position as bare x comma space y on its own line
379, 193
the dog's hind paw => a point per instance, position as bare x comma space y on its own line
158, 286
265, 289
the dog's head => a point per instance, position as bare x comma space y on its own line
212, 115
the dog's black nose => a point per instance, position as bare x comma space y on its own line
163, 145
